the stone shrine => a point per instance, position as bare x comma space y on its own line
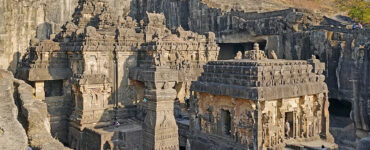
141, 80
259, 103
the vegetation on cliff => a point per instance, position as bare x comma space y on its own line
359, 10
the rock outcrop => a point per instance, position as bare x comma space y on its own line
25, 19
35, 118
32, 114
12, 134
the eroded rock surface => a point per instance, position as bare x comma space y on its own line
12, 134
35, 117
32, 114
26, 19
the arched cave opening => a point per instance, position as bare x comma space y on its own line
229, 50
340, 108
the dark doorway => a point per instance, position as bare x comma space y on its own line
289, 118
340, 108
229, 50
226, 122
53, 88
106, 146
182, 148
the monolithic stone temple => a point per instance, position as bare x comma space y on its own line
258, 103
83, 73
182, 75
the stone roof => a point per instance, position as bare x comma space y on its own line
262, 79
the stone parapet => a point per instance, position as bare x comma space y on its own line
262, 79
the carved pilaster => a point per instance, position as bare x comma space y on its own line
160, 128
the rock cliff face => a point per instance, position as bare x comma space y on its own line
18, 107
35, 119
25, 19
12, 134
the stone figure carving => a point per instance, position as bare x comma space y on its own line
287, 129
265, 122
239, 55
272, 55
255, 54
313, 57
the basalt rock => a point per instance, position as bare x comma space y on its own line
12, 134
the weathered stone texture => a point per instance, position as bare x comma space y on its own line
80, 39
364, 143
23, 20
96, 54
35, 119
229, 27
12, 134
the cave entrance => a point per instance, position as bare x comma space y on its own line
229, 50
340, 108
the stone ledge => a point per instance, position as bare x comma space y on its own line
260, 93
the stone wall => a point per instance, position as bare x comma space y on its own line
12, 134
241, 111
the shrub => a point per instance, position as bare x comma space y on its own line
358, 10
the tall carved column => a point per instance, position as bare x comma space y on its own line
160, 128
257, 128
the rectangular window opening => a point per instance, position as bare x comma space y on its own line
53, 88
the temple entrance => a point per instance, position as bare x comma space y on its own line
106, 146
226, 122
288, 125
229, 50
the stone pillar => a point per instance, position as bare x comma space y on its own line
325, 120
160, 128
257, 129
39, 90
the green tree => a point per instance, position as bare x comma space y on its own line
358, 10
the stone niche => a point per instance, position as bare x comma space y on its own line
259, 103
53, 88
